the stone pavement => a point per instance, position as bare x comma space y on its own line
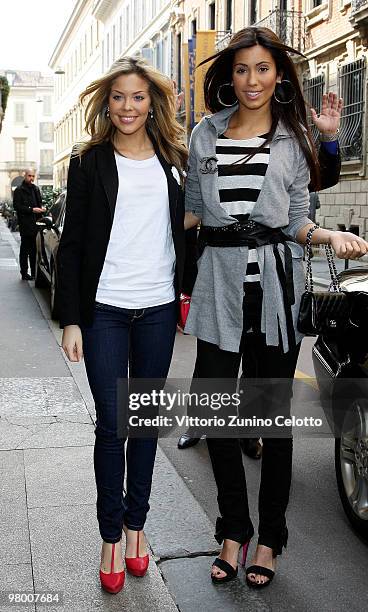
48, 530
48, 526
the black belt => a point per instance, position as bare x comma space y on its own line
253, 235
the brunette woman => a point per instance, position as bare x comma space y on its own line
250, 164
120, 265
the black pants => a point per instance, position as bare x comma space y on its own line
258, 361
27, 251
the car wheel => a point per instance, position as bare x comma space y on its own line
351, 462
53, 295
40, 280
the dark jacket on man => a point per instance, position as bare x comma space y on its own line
90, 205
26, 197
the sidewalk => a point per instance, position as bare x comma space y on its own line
48, 528
48, 524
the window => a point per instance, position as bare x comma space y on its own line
120, 34
47, 105
178, 62
46, 132
103, 56
108, 51
194, 27
56, 208
212, 16
313, 92
313, 4
97, 34
91, 38
127, 30
19, 112
253, 15
158, 55
351, 83
229, 14
46, 159
113, 43
20, 149
135, 17
165, 67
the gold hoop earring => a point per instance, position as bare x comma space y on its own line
219, 97
293, 92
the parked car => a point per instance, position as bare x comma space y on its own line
9, 214
47, 244
341, 367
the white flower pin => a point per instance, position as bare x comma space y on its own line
175, 174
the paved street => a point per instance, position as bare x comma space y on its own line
47, 505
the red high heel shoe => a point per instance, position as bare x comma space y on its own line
114, 581
137, 566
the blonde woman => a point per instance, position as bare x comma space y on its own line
120, 264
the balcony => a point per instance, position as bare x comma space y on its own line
288, 25
19, 166
359, 18
223, 39
102, 8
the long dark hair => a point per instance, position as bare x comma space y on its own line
293, 115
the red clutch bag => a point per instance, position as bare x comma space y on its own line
184, 305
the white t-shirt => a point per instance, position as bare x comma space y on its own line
140, 261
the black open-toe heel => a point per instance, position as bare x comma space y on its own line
224, 566
263, 571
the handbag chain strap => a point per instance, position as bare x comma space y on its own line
330, 261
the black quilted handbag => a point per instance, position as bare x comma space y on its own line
323, 312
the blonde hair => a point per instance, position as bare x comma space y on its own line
163, 128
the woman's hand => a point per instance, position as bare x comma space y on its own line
329, 119
72, 343
190, 220
347, 245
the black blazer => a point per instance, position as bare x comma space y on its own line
330, 167
90, 204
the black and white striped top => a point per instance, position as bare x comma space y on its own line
240, 183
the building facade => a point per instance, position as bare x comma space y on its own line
76, 61
333, 35
335, 47
27, 137
98, 32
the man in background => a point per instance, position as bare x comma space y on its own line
27, 203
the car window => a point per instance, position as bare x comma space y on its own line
55, 209
61, 218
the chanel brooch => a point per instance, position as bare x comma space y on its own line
208, 165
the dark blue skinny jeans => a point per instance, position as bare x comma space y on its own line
142, 339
